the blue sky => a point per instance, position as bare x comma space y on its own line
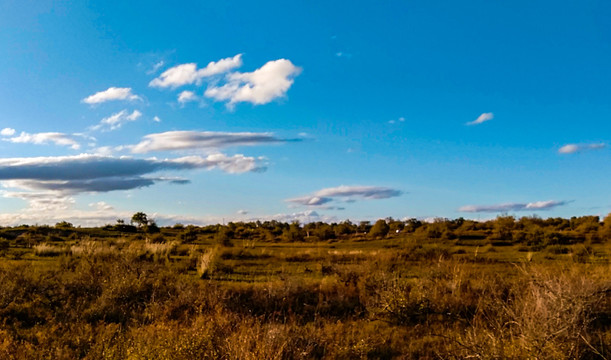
201, 112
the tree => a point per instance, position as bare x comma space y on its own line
293, 233
223, 236
606, 228
379, 229
140, 219
64, 225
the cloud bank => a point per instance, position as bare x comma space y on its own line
95, 173
532, 206
191, 140
345, 193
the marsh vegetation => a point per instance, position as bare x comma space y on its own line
452, 289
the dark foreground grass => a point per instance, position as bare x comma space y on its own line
141, 298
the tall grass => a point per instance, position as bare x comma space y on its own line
112, 299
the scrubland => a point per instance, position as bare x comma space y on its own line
507, 289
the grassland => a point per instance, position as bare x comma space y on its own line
236, 293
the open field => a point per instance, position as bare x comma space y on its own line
446, 290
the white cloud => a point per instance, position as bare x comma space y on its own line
242, 212
56, 138
532, 206
49, 201
261, 86
189, 140
365, 192
156, 67
345, 193
573, 148
112, 93
235, 164
186, 74
482, 118
186, 96
115, 121
7, 132
101, 205
343, 54
302, 217
157, 119
310, 200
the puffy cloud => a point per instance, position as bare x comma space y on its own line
482, 118
261, 86
345, 193
186, 96
7, 132
186, 74
573, 148
110, 94
56, 138
189, 140
532, 206
115, 121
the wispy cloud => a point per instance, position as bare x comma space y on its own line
157, 119
532, 206
186, 74
101, 205
115, 121
110, 94
186, 96
189, 140
482, 118
261, 86
156, 67
345, 193
342, 54
43, 138
49, 201
573, 148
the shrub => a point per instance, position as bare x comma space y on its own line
49, 250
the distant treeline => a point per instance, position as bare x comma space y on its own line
504, 230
